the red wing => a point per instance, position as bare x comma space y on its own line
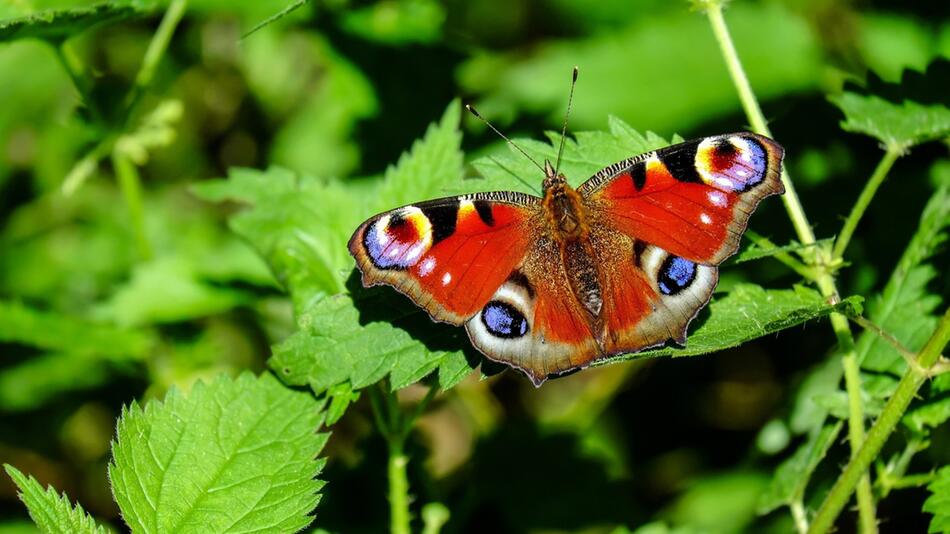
692, 199
448, 255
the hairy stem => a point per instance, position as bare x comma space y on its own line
398, 490
893, 411
823, 276
877, 177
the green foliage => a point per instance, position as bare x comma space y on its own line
903, 115
230, 456
52, 512
790, 481
906, 308
938, 503
748, 312
58, 24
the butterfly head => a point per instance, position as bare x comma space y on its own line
553, 180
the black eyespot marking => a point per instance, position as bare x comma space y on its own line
676, 274
442, 217
639, 247
681, 161
483, 208
519, 279
725, 149
638, 172
503, 320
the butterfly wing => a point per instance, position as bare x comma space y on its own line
692, 199
448, 255
662, 222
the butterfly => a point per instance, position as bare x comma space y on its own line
618, 265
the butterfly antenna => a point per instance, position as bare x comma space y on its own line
567, 114
509, 141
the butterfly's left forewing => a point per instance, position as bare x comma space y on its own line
448, 255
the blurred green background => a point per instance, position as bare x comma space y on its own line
338, 89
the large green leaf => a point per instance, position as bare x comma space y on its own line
748, 312
52, 512
913, 112
230, 456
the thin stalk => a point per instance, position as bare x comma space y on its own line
153, 54
891, 415
398, 489
870, 188
131, 186
823, 276
798, 515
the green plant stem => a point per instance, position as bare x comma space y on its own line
823, 276
870, 188
153, 54
893, 411
398, 489
131, 186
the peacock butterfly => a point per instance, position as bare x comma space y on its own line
548, 285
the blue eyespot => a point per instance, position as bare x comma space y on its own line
676, 274
503, 320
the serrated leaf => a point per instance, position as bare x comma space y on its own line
938, 503
906, 309
360, 339
901, 116
230, 456
51, 511
58, 24
791, 478
755, 252
748, 312
58, 332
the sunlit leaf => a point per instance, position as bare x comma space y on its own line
720, 503
901, 115
52, 512
230, 456
396, 22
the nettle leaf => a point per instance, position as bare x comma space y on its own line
906, 309
791, 478
51, 511
584, 155
938, 503
900, 115
935, 410
745, 313
58, 24
235, 455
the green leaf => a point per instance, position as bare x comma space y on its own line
41, 377
748, 312
913, 112
396, 22
52, 512
938, 503
648, 91
59, 24
719, 503
230, 456
167, 290
363, 338
57, 332
906, 309
791, 478
755, 252
935, 410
